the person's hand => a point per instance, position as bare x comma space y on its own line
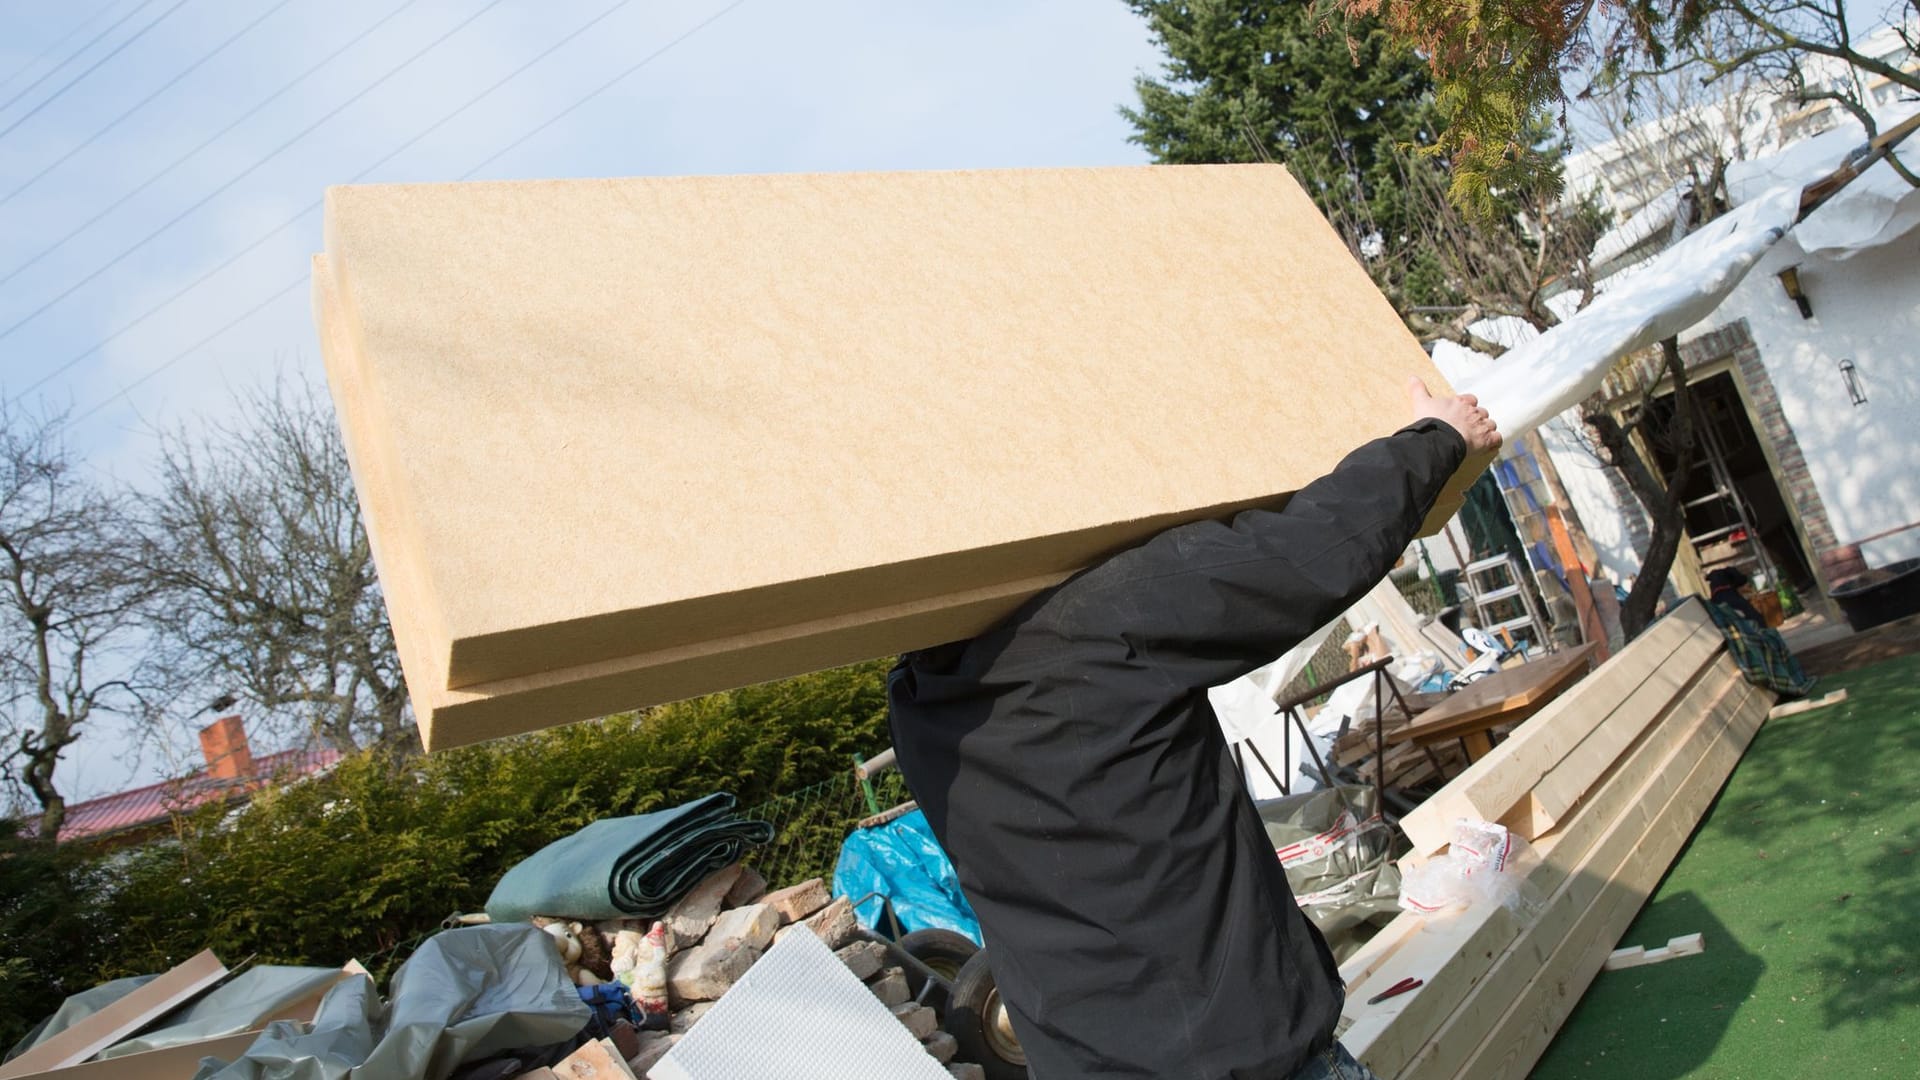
1461, 412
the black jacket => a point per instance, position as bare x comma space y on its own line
1138, 921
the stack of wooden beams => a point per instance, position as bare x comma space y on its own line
624, 441
1607, 782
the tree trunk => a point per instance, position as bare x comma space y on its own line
1661, 499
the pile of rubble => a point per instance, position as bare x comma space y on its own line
714, 935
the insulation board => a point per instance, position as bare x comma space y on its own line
625, 441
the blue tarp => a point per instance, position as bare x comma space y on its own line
902, 863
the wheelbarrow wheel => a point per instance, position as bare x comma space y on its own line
977, 1019
945, 951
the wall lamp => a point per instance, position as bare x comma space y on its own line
1852, 377
1790, 281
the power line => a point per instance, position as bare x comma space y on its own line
315, 205
91, 42
189, 350
603, 87
91, 68
244, 173
143, 102
208, 141
63, 39
296, 282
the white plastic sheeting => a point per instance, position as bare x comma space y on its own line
1555, 371
1551, 373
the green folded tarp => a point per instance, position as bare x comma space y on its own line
629, 867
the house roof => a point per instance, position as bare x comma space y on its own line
156, 802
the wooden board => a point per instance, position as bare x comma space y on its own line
1567, 781
121, 1019
1640, 955
1492, 786
1455, 953
1558, 979
1636, 844
620, 441
167, 1063
1498, 694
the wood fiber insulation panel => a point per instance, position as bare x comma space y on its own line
1455, 953
123, 1018
625, 441
1493, 786
1522, 985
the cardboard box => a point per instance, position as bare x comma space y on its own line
625, 441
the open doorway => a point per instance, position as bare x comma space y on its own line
1736, 515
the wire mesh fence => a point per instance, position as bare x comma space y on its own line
810, 824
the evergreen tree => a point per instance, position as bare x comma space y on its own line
1257, 80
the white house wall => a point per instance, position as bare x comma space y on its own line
1864, 460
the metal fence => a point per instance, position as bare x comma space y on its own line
810, 824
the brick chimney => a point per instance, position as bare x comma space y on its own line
224, 742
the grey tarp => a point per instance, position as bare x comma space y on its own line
627, 867
468, 994
243, 1003
78, 1008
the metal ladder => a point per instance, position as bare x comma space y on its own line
1494, 579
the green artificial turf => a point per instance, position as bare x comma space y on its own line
1804, 879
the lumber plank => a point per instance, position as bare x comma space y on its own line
1640, 956
1667, 806
1466, 945
121, 1019
1794, 708
1507, 972
1493, 785
1566, 782
1559, 979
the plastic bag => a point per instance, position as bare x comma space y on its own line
1481, 867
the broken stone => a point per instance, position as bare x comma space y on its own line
942, 1046
653, 1046
863, 958
747, 889
752, 926
796, 902
966, 1070
833, 924
704, 972
685, 1019
918, 1018
689, 919
891, 987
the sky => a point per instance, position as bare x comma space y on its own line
159, 189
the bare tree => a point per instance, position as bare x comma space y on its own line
1670, 430
1679, 126
264, 583
71, 596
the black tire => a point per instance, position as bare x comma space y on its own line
942, 950
977, 1021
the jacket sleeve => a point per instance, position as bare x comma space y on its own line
1216, 600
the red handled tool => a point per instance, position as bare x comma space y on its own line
1395, 990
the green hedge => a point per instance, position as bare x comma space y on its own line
363, 862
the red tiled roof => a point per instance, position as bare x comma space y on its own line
156, 802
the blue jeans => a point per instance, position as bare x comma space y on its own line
1334, 1063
